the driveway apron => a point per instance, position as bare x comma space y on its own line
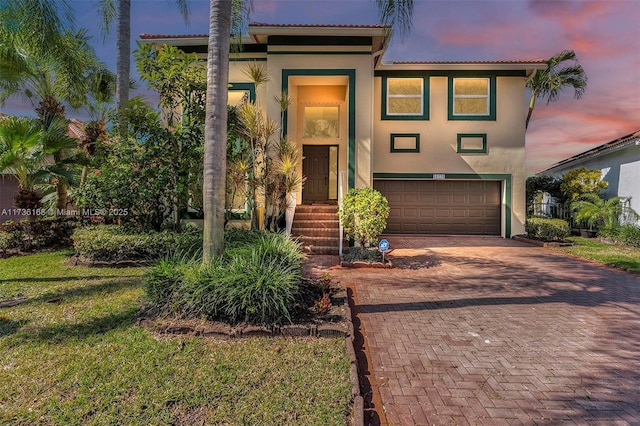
482, 330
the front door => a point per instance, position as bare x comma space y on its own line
315, 166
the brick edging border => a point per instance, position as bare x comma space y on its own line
358, 400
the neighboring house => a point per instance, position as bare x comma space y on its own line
443, 141
9, 186
619, 162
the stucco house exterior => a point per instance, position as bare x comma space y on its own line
443, 141
619, 162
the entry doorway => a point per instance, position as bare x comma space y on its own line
320, 167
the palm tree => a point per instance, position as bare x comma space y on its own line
597, 212
225, 15
120, 10
26, 151
49, 84
551, 81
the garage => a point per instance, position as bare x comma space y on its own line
459, 207
8, 190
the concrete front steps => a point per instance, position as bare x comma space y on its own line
317, 227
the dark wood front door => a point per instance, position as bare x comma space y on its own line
315, 166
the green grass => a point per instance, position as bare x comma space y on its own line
621, 257
71, 354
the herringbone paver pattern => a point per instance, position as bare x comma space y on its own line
486, 331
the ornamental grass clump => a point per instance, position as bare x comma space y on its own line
258, 281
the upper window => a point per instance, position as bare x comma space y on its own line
472, 98
241, 92
404, 98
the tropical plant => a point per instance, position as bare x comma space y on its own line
550, 82
363, 214
582, 181
26, 152
597, 212
547, 229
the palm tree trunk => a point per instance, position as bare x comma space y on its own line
123, 53
215, 128
532, 104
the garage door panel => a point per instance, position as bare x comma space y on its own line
443, 207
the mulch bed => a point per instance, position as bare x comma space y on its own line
542, 243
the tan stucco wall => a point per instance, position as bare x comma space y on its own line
438, 140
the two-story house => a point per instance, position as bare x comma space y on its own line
443, 141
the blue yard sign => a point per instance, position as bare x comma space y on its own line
383, 245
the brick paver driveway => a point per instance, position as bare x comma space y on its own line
491, 331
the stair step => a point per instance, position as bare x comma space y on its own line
319, 224
322, 208
315, 216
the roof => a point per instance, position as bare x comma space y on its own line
507, 62
372, 26
621, 142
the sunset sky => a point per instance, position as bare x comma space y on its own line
605, 35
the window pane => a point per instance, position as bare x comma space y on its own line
333, 172
321, 122
236, 97
475, 106
404, 106
471, 86
468, 142
404, 86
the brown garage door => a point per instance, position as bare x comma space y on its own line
8, 189
442, 206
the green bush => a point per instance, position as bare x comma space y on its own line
44, 233
115, 243
624, 234
258, 281
363, 215
547, 229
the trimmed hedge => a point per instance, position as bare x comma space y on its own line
257, 281
547, 229
113, 243
624, 234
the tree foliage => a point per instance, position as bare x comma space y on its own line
539, 184
581, 181
550, 82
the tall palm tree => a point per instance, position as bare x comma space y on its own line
225, 15
120, 10
556, 77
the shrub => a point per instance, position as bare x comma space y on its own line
547, 229
625, 234
45, 233
363, 215
258, 281
115, 243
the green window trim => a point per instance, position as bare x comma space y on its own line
461, 150
491, 116
250, 87
350, 73
404, 135
425, 98
505, 178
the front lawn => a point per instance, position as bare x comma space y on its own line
621, 257
71, 354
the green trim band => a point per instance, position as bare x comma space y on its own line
405, 135
450, 73
351, 113
506, 178
280, 40
461, 150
